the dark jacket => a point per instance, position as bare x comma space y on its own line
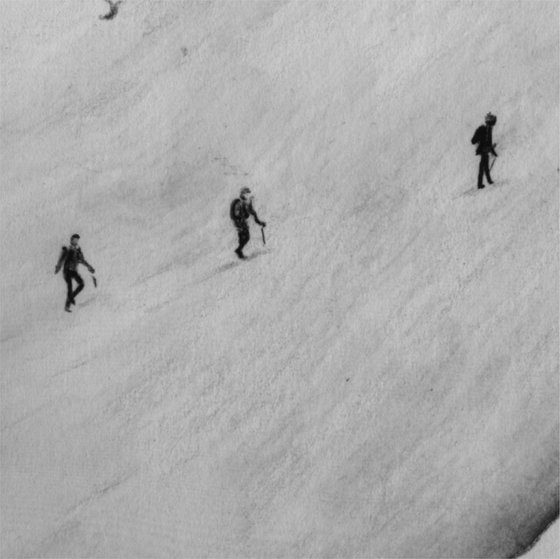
240, 211
483, 137
70, 257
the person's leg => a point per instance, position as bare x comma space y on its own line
487, 169
80, 283
68, 280
482, 164
244, 236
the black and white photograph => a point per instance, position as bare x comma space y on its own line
280, 279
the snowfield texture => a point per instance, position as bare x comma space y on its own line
547, 546
379, 380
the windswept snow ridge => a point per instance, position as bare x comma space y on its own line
380, 380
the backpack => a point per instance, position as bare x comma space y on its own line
236, 210
478, 135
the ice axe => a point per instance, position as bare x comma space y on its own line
263, 237
94, 280
493, 160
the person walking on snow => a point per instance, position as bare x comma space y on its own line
69, 259
483, 137
240, 211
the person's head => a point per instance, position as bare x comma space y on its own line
245, 194
490, 119
74, 240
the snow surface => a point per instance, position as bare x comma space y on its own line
380, 380
548, 545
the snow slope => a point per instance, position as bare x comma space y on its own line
547, 546
380, 380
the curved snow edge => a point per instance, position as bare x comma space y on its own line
548, 520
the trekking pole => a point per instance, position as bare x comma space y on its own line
495, 157
94, 280
264, 240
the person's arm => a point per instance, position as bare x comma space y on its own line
61, 260
256, 217
492, 147
83, 261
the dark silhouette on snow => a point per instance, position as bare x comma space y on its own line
69, 259
240, 211
113, 9
483, 137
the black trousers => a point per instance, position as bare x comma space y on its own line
483, 169
244, 236
70, 275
